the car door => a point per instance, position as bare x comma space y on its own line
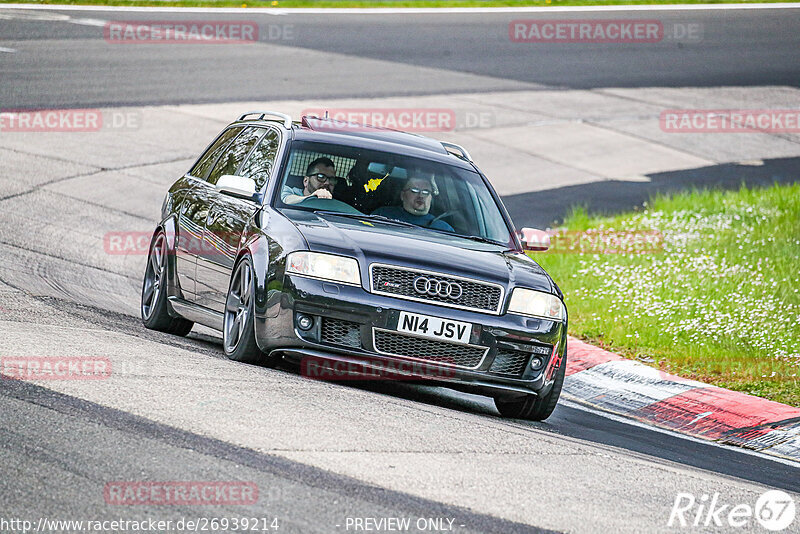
193, 212
253, 155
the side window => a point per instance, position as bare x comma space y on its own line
200, 168
235, 154
259, 165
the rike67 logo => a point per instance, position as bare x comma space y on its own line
774, 510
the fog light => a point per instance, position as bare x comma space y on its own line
537, 363
304, 322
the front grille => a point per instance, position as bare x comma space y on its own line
430, 350
478, 296
510, 362
338, 332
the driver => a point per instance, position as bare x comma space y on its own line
416, 198
319, 181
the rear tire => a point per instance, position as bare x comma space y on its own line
533, 407
155, 315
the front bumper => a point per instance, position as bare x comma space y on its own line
353, 328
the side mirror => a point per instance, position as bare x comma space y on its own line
533, 239
238, 186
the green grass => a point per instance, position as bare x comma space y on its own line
717, 301
379, 3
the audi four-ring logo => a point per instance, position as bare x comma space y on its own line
437, 288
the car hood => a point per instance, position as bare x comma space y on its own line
378, 242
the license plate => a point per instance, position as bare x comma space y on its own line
434, 327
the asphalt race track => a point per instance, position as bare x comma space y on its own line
321, 454
324, 56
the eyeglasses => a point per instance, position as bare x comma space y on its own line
418, 191
323, 178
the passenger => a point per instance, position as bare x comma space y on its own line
416, 197
319, 181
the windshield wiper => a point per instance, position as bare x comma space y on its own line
381, 218
482, 239
365, 217
471, 237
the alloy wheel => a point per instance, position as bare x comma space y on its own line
237, 307
154, 276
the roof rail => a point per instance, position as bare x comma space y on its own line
287, 120
457, 150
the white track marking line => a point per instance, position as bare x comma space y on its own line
411, 10
37, 15
7, 50
696, 419
633, 422
49, 17
88, 22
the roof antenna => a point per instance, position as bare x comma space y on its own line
326, 113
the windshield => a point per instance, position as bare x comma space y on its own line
431, 196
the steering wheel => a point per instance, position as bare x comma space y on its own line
329, 204
442, 216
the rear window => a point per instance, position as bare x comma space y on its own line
201, 168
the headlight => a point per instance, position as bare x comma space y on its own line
536, 303
324, 266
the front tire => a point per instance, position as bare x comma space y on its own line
533, 407
155, 315
238, 331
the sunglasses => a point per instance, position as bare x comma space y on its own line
418, 191
323, 178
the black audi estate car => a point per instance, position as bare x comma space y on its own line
355, 251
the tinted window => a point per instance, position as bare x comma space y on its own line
200, 168
235, 154
259, 164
